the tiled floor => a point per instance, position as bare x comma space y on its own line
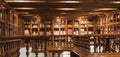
23, 53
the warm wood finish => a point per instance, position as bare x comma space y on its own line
47, 8
108, 23
105, 55
9, 25
59, 23
9, 48
35, 42
104, 40
86, 45
59, 29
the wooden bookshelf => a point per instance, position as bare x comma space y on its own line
90, 45
108, 23
93, 33
9, 21
104, 39
60, 30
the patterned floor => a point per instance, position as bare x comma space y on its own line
23, 53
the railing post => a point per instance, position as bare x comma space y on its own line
1, 49
6, 51
36, 48
27, 47
18, 49
45, 49
59, 54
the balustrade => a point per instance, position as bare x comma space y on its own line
10, 46
90, 45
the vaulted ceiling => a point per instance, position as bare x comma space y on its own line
71, 8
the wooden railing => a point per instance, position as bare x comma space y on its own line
97, 45
38, 43
10, 46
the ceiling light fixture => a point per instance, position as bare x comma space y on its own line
37, 1
29, 15
66, 8
23, 12
105, 9
25, 1
25, 8
69, 2
95, 13
63, 13
116, 2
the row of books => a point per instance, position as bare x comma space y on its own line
42, 25
70, 32
34, 26
92, 45
60, 45
34, 33
26, 32
1, 29
27, 22
118, 28
76, 24
27, 26
110, 29
76, 31
8, 18
110, 20
9, 30
0, 16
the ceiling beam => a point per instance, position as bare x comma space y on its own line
62, 8
80, 5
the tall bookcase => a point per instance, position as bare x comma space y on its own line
60, 29
109, 23
105, 38
8, 21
